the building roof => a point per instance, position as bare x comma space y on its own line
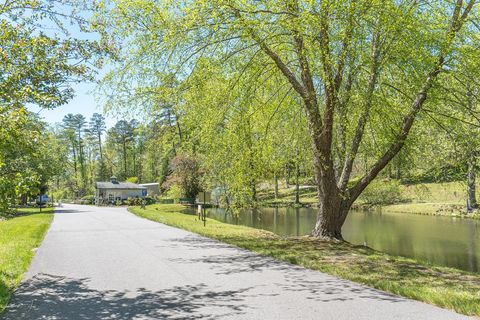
119, 185
149, 184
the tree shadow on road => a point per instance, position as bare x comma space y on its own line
196, 242
53, 297
65, 210
313, 285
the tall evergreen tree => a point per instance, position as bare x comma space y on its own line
97, 127
123, 133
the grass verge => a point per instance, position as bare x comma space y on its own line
445, 287
19, 237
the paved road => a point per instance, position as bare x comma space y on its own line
105, 263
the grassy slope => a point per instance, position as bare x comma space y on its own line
448, 192
425, 198
18, 238
445, 287
433, 199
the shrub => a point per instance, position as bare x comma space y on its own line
59, 194
133, 202
150, 200
382, 192
88, 199
138, 201
132, 179
130, 202
166, 201
175, 192
185, 177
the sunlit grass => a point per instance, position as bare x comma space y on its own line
448, 192
431, 208
18, 238
444, 287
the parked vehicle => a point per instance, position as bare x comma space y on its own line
42, 199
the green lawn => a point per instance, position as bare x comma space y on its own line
447, 192
444, 287
18, 238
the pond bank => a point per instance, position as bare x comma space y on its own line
421, 208
432, 209
442, 286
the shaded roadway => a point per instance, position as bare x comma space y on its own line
106, 263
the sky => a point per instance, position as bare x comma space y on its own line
83, 102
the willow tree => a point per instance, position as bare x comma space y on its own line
243, 141
357, 66
457, 116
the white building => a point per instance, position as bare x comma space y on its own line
153, 189
110, 192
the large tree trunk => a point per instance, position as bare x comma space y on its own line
331, 211
471, 180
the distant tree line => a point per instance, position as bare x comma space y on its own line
130, 150
39, 69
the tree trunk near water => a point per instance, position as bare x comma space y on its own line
471, 180
332, 211
254, 191
297, 185
276, 185
287, 178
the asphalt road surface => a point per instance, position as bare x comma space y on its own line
106, 263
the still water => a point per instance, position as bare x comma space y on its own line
443, 241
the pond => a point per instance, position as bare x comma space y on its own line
445, 241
